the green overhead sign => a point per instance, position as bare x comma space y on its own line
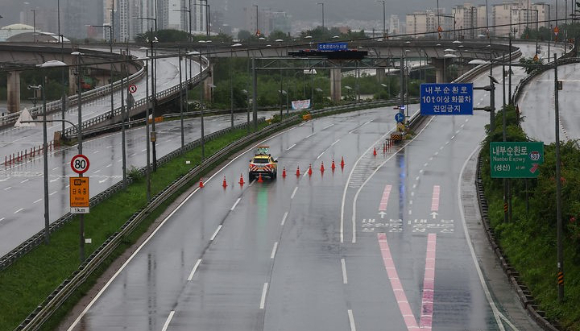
516, 159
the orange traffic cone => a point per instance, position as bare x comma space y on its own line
284, 172
333, 166
310, 170
225, 184
260, 180
200, 183
298, 171
342, 162
322, 167
242, 179
374, 151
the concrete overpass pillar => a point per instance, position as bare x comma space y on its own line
208, 85
72, 78
13, 91
439, 65
381, 75
335, 84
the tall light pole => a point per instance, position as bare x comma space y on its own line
384, 19
438, 23
560, 232
34, 25
111, 69
42, 87
231, 83
148, 167
322, 4
257, 22
152, 40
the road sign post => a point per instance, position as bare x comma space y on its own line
447, 99
516, 159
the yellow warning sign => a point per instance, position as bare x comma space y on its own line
79, 192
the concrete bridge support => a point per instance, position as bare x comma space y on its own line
208, 85
440, 67
335, 84
13, 91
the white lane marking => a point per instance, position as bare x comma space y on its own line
319, 156
37, 201
138, 250
109, 165
53, 169
289, 148
273, 255
425, 165
294, 193
310, 135
169, 318
235, 204
95, 152
24, 181
1, 219
8, 188
331, 125
417, 178
102, 180
19, 210
344, 276
351, 320
334, 143
354, 202
264, 293
284, 218
194, 270
53, 193
496, 313
216, 232
96, 172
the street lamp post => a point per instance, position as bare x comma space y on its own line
148, 167
384, 19
322, 4
231, 83
152, 40
111, 67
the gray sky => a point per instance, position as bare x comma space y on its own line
306, 10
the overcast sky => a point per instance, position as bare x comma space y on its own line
307, 10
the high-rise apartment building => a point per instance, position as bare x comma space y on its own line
470, 21
516, 16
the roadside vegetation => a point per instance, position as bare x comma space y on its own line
29, 281
528, 240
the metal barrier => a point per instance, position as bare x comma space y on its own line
45, 310
142, 103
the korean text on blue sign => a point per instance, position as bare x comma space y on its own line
447, 99
333, 46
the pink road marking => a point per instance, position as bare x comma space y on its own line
435, 199
429, 283
385, 198
404, 306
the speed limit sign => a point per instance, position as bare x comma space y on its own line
79, 164
132, 88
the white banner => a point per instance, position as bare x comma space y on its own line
300, 104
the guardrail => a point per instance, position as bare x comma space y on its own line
522, 291
519, 88
45, 310
72, 100
141, 103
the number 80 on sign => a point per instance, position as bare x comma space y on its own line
79, 163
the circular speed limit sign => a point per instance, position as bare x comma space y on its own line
79, 163
133, 88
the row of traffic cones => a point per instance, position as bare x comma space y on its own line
260, 180
386, 147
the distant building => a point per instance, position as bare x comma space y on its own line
470, 21
519, 15
394, 25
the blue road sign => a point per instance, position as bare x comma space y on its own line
447, 99
333, 46
399, 117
